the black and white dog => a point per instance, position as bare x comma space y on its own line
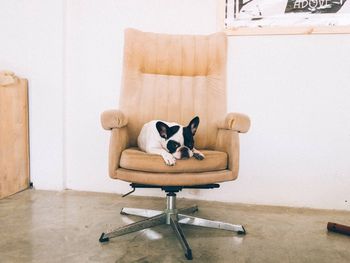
170, 140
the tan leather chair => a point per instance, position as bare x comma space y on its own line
174, 78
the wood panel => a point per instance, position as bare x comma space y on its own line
14, 143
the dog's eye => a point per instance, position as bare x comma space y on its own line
172, 146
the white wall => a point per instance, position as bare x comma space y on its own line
31, 45
294, 88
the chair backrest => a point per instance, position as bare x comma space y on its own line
174, 78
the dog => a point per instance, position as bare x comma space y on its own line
170, 140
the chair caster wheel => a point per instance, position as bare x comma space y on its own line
188, 254
242, 232
103, 239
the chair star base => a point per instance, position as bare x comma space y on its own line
170, 216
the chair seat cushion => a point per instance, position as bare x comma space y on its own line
137, 160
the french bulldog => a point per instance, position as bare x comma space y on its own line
170, 140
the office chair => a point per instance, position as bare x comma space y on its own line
174, 78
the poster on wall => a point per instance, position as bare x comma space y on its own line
286, 13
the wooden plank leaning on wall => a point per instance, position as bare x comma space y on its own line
14, 138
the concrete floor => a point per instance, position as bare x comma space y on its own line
45, 226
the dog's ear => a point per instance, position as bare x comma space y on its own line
193, 125
162, 129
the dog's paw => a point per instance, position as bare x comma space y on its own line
198, 155
169, 159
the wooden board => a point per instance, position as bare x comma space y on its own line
14, 143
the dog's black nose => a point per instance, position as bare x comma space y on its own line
184, 153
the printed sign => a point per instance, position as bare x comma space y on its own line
260, 13
314, 6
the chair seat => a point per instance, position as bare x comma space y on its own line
137, 160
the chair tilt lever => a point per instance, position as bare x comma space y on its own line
129, 193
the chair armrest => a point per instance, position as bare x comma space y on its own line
228, 141
235, 122
113, 119
119, 141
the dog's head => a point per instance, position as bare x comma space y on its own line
178, 139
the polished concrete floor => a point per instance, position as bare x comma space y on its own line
45, 226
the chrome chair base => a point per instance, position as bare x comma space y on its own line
170, 216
